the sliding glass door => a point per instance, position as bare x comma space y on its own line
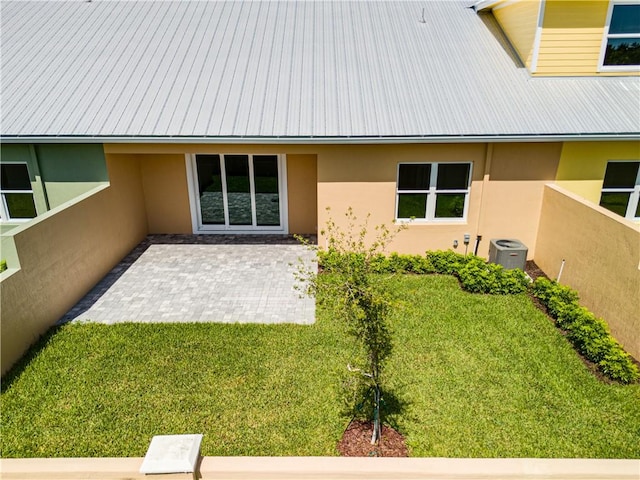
239, 192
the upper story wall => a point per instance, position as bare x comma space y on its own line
560, 37
520, 23
571, 37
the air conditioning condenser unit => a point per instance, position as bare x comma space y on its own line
508, 252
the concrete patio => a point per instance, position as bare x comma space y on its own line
202, 278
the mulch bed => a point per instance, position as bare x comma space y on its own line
356, 442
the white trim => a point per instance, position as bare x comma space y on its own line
605, 40
432, 193
537, 38
634, 191
5, 216
194, 201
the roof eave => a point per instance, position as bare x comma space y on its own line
318, 140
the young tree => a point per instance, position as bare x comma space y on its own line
361, 300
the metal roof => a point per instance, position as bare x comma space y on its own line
285, 70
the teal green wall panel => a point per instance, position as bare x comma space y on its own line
59, 172
70, 170
25, 153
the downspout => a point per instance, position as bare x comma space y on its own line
485, 183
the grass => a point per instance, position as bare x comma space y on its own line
476, 375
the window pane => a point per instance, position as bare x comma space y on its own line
265, 177
625, 19
453, 176
238, 189
412, 205
638, 210
20, 205
615, 201
15, 176
450, 205
622, 51
621, 174
414, 176
210, 188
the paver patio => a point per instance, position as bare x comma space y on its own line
202, 278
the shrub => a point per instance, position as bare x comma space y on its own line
477, 276
3, 265
589, 334
447, 262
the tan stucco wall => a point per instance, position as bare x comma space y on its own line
505, 198
513, 196
166, 195
602, 259
302, 178
364, 178
64, 253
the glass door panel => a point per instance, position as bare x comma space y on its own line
267, 197
210, 189
238, 189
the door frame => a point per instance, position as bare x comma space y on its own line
194, 200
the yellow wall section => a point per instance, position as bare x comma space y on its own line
65, 252
583, 164
571, 38
602, 260
166, 195
519, 21
302, 178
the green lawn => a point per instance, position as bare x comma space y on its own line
477, 376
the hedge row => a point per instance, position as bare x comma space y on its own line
589, 334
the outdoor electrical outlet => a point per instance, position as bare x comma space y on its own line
467, 238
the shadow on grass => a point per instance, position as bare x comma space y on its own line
393, 406
18, 368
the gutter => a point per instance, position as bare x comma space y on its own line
316, 140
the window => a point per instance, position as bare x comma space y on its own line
432, 191
239, 192
621, 189
621, 48
17, 195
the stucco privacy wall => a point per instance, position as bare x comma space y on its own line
583, 164
64, 253
505, 199
164, 178
602, 259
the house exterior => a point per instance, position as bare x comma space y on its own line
499, 119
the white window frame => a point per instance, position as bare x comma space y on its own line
194, 198
605, 40
432, 193
634, 198
5, 216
